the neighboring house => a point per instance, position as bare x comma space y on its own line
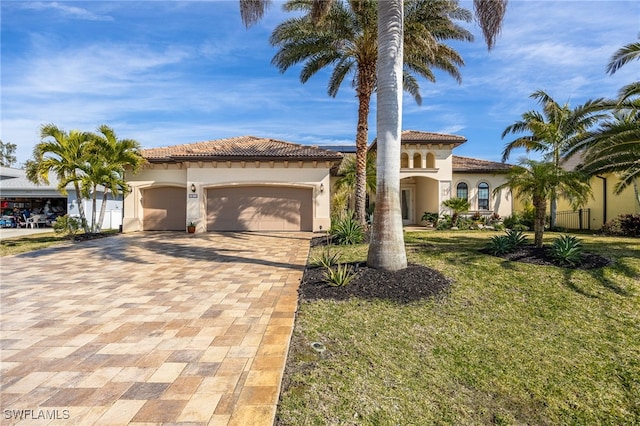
602, 206
431, 174
245, 183
18, 192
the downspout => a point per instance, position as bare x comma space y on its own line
604, 198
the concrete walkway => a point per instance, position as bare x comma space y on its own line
149, 328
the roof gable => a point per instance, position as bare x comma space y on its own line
239, 148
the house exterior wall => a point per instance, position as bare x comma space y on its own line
602, 193
501, 203
204, 175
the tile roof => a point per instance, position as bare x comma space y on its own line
415, 136
239, 148
472, 165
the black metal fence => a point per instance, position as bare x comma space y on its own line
579, 219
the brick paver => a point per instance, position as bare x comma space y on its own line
149, 328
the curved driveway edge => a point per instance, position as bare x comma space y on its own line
153, 328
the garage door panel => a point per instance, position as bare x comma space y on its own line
259, 209
165, 209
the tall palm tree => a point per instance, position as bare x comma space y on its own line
61, 153
390, 253
346, 41
614, 146
538, 181
111, 156
386, 249
552, 131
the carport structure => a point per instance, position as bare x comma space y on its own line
244, 183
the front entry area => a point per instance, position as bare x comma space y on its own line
259, 208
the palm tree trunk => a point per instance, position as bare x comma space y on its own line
80, 201
553, 211
540, 205
103, 207
93, 209
386, 249
362, 132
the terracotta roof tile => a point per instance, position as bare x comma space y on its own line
415, 136
241, 147
471, 165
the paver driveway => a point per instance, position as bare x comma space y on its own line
150, 328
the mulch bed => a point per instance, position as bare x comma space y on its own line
542, 256
416, 282
410, 284
413, 283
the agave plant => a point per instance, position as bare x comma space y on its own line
567, 249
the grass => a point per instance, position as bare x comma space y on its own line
511, 343
27, 243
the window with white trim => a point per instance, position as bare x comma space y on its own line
483, 196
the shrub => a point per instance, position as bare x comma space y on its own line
567, 249
430, 218
67, 225
326, 259
499, 244
627, 225
516, 238
444, 223
347, 231
339, 276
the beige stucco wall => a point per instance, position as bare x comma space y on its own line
501, 203
204, 175
625, 203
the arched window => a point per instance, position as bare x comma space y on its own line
404, 160
462, 191
417, 161
483, 196
431, 161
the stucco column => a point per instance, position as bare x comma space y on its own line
194, 204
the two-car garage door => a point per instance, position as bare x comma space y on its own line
238, 208
259, 208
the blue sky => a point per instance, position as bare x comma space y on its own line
173, 72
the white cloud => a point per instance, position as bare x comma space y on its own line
66, 10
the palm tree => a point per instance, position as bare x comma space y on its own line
552, 131
346, 40
111, 156
458, 205
389, 253
386, 249
61, 153
614, 146
539, 181
345, 185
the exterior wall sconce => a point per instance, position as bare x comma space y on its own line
193, 187
322, 187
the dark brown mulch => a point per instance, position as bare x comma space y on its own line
90, 236
413, 283
542, 256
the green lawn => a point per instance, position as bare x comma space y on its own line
27, 243
510, 344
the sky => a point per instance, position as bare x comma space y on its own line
174, 72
